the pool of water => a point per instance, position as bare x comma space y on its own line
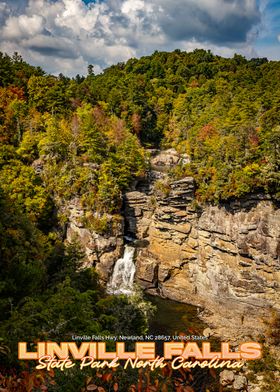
174, 318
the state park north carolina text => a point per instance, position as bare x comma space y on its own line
95, 355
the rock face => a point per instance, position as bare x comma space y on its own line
169, 158
225, 258
100, 251
236, 381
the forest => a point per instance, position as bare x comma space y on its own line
90, 137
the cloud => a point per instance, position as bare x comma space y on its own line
66, 35
215, 21
52, 46
22, 26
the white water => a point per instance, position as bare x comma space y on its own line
122, 279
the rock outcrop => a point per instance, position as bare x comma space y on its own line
101, 251
224, 259
233, 380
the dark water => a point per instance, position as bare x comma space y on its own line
173, 318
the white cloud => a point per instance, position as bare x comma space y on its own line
66, 35
22, 26
132, 6
2, 6
77, 17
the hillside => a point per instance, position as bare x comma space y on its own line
224, 113
85, 142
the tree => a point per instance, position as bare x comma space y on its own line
90, 70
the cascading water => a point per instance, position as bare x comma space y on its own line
122, 279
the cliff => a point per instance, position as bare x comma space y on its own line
100, 250
224, 259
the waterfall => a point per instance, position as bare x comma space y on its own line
122, 279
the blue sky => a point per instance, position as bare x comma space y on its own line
67, 35
268, 42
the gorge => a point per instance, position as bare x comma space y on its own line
223, 259
158, 177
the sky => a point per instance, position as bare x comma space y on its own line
68, 35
